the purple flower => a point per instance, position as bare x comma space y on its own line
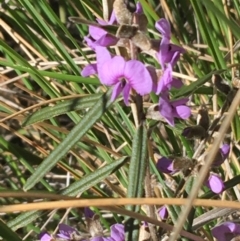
167, 50
163, 212
65, 231
121, 74
88, 213
221, 155
99, 36
167, 81
44, 236
117, 234
173, 109
165, 165
215, 183
226, 231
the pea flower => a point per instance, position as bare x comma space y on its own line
121, 74
167, 80
215, 183
99, 36
44, 236
221, 155
226, 231
163, 212
173, 109
167, 50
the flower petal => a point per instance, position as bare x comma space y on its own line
116, 91
163, 27
163, 55
88, 70
182, 112
176, 83
111, 71
106, 40
117, 232
138, 77
126, 93
103, 55
88, 213
96, 32
65, 231
215, 183
44, 236
166, 110
226, 231
165, 165
163, 212
165, 81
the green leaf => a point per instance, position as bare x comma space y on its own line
93, 115
23, 220
7, 233
93, 178
61, 108
138, 163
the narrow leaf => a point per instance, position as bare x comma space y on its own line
137, 163
61, 108
71, 139
7, 233
93, 178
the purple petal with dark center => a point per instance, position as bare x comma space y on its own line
165, 165
215, 183
226, 231
88, 70
138, 77
44, 236
163, 27
117, 232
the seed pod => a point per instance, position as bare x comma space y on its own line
203, 118
221, 86
194, 132
126, 31
142, 21
123, 15
141, 40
